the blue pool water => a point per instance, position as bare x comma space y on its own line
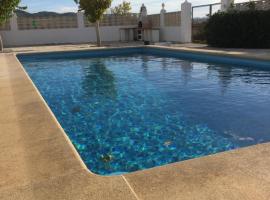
131, 112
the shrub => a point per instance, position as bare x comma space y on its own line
239, 29
198, 33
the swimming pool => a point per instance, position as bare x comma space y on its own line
136, 108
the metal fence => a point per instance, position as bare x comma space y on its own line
173, 19
199, 19
200, 15
214, 7
47, 22
154, 20
70, 20
258, 5
170, 19
115, 20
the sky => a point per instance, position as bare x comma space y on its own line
153, 6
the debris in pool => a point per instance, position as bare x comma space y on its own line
80, 147
135, 129
239, 138
246, 139
107, 158
76, 109
167, 143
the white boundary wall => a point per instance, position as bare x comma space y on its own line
182, 33
82, 34
59, 36
171, 34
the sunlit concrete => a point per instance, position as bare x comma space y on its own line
38, 161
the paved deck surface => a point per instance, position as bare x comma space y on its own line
38, 162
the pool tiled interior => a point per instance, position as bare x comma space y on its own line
37, 160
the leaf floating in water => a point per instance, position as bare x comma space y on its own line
134, 129
107, 158
76, 109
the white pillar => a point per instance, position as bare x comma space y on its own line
143, 18
143, 12
80, 18
162, 23
13, 23
186, 22
226, 5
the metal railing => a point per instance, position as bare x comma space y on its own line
115, 20
173, 19
205, 5
47, 22
170, 19
258, 5
198, 23
154, 20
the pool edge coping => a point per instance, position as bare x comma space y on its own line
112, 48
214, 52
209, 52
79, 157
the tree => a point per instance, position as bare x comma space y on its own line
122, 9
93, 10
7, 7
251, 5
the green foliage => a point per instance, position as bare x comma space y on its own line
198, 33
94, 9
122, 9
7, 7
239, 29
251, 5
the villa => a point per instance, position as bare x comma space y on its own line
149, 115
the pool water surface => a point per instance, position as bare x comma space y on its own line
132, 112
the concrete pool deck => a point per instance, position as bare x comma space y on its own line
261, 54
38, 161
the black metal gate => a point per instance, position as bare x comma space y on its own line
200, 15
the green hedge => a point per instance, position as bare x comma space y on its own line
198, 33
239, 29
